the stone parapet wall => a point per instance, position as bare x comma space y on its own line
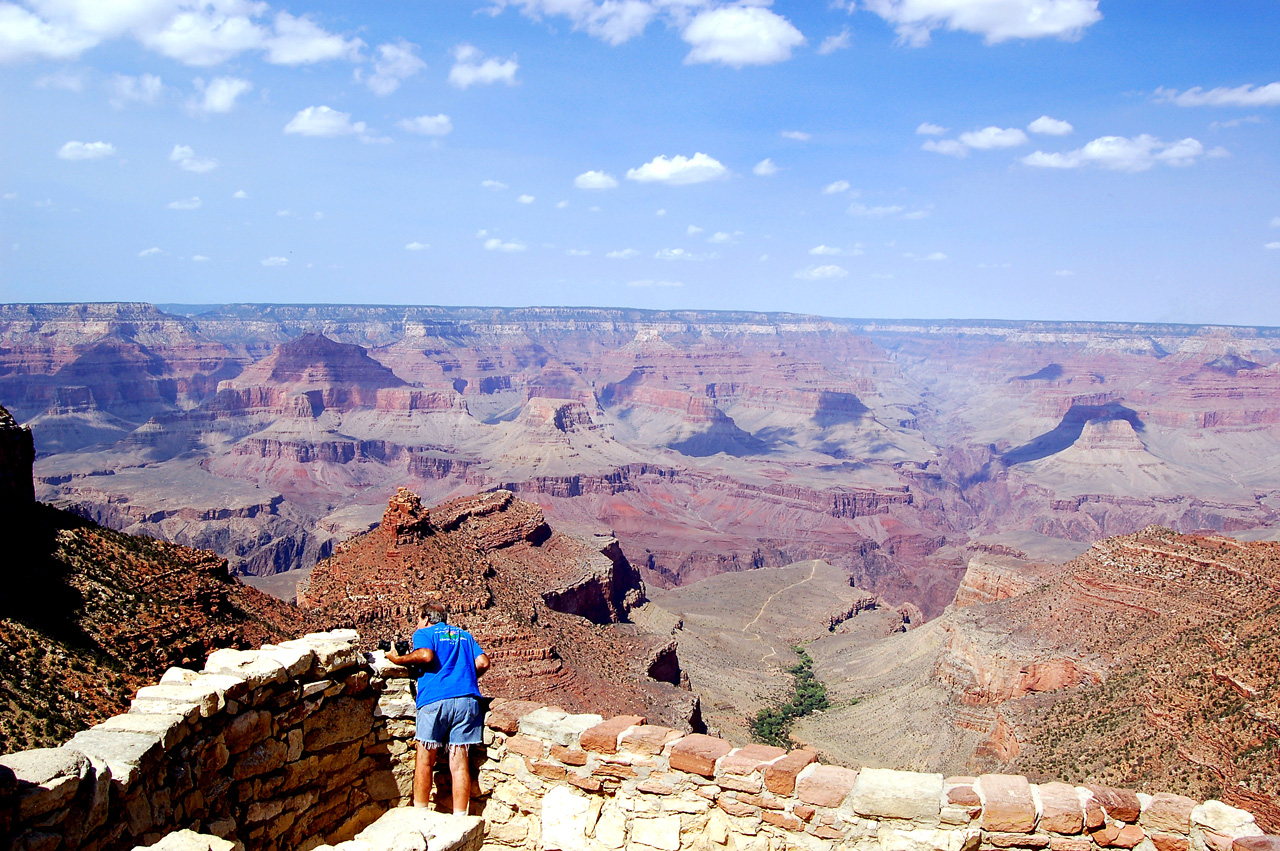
309, 743
552, 780
278, 748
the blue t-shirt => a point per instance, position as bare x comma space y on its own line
454, 674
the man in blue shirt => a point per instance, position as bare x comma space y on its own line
448, 701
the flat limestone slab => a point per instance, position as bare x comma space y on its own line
124, 753
442, 832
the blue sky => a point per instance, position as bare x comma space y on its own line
1042, 159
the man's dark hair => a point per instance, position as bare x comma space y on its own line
433, 613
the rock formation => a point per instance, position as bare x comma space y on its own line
551, 610
17, 454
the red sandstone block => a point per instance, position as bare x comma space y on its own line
525, 746
785, 820
590, 784
569, 756
963, 795
1168, 813
505, 715
1257, 843
648, 739
747, 759
621, 771
1007, 805
697, 754
1106, 834
1060, 810
1129, 837
1120, 804
603, 737
768, 803
803, 811
1016, 840
1094, 816
550, 770
780, 776
823, 832
826, 785
1170, 842
1071, 843
736, 808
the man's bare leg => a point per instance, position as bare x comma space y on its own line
460, 772
423, 768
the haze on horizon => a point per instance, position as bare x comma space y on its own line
1003, 159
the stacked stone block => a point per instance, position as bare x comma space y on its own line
555, 781
277, 748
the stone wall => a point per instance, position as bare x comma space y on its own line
309, 743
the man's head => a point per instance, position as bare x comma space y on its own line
430, 613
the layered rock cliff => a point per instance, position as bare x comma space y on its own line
17, 454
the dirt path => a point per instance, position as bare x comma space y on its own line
773, 651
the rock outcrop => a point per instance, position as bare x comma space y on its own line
17, 454
550, 609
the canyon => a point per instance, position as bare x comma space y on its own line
703, 442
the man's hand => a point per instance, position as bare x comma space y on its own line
421, 656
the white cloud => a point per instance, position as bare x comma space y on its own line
994, 137
679, 254
860, 209
416, 246
1047, 126
950, 147
70, 81
836, 188
219, 95
797, 135
150, 252
23, 35
284, 214
679, 170
394, 63
124, 90
493, 184
740, 35
1236, 122
560, 205
1119, 153
623, 254
428, 125
470, 70
831, 251
199, 258
86, 150
240, 195
202, 37
611, 21
193, 203
323, 121
1272, 246
1064, 273
187, 160
525, 199
820, 273
595, 180
660, 213
1275, 223
301, 41
994, 20
495, 244
578, 252
765, 168
651, 283
1247, 95
723, 238
927, 129
10, 196
832, 43
693, 230
275, 261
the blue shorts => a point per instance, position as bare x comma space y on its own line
453, 721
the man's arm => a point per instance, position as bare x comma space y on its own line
482, 664
421, 656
